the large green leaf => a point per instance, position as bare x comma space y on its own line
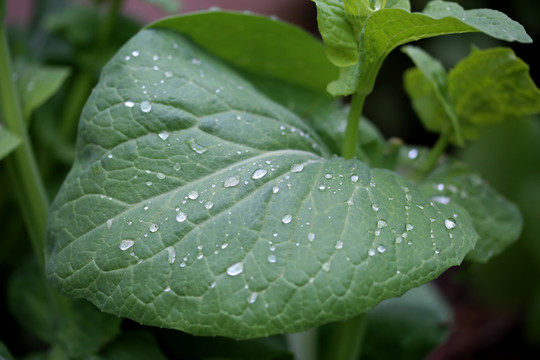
8, 142
388, 28
259, 45
497, 221
197, 203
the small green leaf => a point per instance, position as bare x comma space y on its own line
486, 88
75, 326
169, 6
337, 32
259, 45
8, 142
197, 203
388, 28
37, 83
408, 327
497, 221
435, 73
490, 87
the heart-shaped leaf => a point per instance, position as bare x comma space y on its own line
197, 203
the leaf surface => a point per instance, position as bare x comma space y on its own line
197, 203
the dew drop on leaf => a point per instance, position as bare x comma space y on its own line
412, 154
160, 176
311, 236
172, 254
164, 135
449, 223
232, 181
208, 205
382, 224
129, 104
193, 194
272, 258
181, 217
275, 189
286, 219
153, 228
126, 244
146, 106
297, 168
259, 174
371, 252
354, 178
381, 249
409, 227
199, 149
339, 245
445, 200
109, 223
235, 269
252, 298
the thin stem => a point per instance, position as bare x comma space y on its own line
346, 339
431, 161
21, 164
351, 131
303, 345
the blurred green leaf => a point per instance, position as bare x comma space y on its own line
259, 45
4, 351
490, 87
497, 221
434, 72
133, 345
37, 83
76, 326
169, 6
8, 142
408, 327
73, 22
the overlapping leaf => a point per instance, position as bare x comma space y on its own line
8, 142
197, 203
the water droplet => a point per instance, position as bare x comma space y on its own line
193, 194
259, 174
412, 154
199, 149
149, 183
272, 258
168, 74
381, 249
297, 168
445, 200
129, 104
326, 266
208, 205
322, 187
450, 223
167, 289
382, 224
172, 254
160, 176
235, 269
328, 176
126, 244
146, 106
177, 167
311, 236
339, 245
371, 252
252, 298
398, 240
135, 53
439, 187
354, 178
375, 207
181, 217
286, 219
232, 181
153, 228
409, 227
109, 223
164, 135
275, 189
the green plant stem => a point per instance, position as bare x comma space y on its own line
346, 339
351, 131
21, 164
431, 161
303, 345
